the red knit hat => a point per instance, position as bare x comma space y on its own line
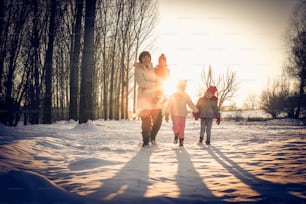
212, 89
162, 57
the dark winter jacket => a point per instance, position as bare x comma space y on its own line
208, 108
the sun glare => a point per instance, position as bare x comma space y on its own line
224, 36
169, 86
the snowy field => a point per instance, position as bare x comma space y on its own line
103, 162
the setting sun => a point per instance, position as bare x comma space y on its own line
223, 36
192, 88
169, 86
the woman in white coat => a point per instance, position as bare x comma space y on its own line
148, 109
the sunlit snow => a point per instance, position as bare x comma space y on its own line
104, 162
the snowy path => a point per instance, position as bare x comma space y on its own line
247, 162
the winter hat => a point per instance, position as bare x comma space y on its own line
143, 54
162, 57
212, 89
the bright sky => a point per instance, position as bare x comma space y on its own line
246, 36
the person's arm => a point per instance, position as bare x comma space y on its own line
141, 79
191, 104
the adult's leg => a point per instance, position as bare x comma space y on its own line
157, 119
145, 126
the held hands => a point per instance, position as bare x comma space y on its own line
218, 121
195, 115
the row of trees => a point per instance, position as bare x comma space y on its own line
287, 94
70, 59
278, 98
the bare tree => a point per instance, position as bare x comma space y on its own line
88, 64
34, 71
102, 38
297, 50
127, 18
13, 36
75, 61
33, 67
251, 102
122, 27
48, 66
118, 11
207, 79
275, 96
226, 84
145, 21
3, 36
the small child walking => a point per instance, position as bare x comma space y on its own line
177, 109
208, 110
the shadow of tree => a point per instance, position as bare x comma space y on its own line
269, 192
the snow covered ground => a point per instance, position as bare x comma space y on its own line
103, 162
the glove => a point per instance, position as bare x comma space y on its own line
218, 121
167, 117
195, 115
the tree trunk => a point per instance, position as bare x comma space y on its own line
112, 91
300, 99
127, 87
3, 37
47, 116
87, 65
74, 63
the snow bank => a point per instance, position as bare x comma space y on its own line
30, 187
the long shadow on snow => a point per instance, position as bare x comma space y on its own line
190, 183
130, 183
269, 192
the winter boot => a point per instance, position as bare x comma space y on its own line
201, 140
145, 137
181, 141
207, 142
175, 138
153, 142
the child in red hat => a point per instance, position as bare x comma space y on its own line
162, 72
208, 110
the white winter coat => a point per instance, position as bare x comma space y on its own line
146, 80
178, 102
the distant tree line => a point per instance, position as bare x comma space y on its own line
287, 94
70, 59
281, 98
